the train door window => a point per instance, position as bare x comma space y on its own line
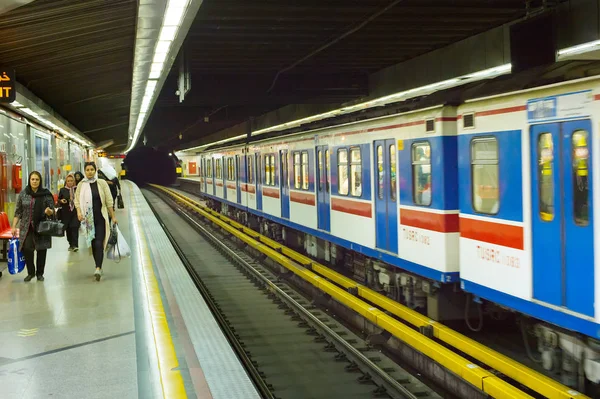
380, 185
305, 170
485, 174
297, 170
580, 177
326, 170
356, 172
230, 169
393, 172
321, 170
209, 168
219, 168
545, 176
421, 161
343, 171
250, 170
270, 170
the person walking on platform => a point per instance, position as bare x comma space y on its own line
33, 204
68, 213
94, 204
78, 177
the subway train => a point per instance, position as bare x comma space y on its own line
481, 193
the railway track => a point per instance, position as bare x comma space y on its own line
290, 347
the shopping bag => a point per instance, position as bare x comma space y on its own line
119, 250
16, 260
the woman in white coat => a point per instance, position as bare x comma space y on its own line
94, 204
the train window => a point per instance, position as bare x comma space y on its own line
250, 169
343, 171
580, 177
421, 162
545, 176
321, 170
327, 171
230, 169
380, 186
393, 172
270, 170
305, 170
209, 168
219, 168
485, 173
356, 172
297, 170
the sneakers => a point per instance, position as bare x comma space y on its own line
28, 278
40, 278
75, 249
98, 274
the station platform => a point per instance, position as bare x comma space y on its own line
143, 331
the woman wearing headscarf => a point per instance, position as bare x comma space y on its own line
68, 213
94, 203
33, 205
78, 177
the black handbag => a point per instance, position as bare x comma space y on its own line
120, 203
51, 227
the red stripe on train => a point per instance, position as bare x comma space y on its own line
493, 233
443, 223
219, 184
270, 192
302, 198
249, 188
352, 207
231, 186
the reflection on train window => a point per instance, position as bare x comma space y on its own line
355, 172
327, 171
421, 161
546, 176
250, 169
209, 167
343, 171
301, 170
380, 172
270, 170
580, 177
485, 173
321, 170
230, 169
305, 170
219, 168
393, 172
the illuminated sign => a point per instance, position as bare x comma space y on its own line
8, 91
102, 155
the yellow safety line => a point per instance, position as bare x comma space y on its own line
532, 379
170, 379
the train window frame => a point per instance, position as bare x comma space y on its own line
343, 167
219, 169
350, 166
545, 216
209, 168
574, 169
419, 163
250, 167
301, 170
230, 169
393, 151
475, 140
269, 177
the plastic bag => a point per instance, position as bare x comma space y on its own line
119, 250
16, 260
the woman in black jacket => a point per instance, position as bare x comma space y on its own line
68, 213
33, 205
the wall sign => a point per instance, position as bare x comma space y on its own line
8, 90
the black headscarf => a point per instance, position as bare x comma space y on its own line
38, 205
80, 175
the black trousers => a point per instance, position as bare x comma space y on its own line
98, 241
29, 253
73, 236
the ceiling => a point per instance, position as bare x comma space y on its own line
77, 56
237, 47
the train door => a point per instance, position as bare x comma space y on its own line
285, 184
238, 178
259, 176
562, 215
386, 204
323, 195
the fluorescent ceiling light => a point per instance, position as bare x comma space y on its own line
579, 49
168, 33
159, 58
163, 46
215, 142
178, 3
154, 75
173, 16
151, 86
16, 104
